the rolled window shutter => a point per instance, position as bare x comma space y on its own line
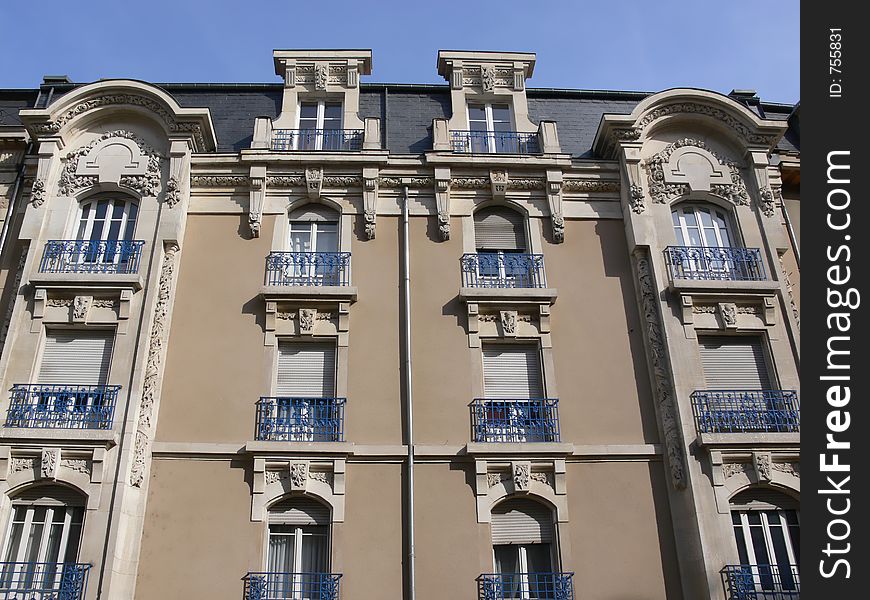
521, 521
314, 212
76, 357
512, 371
299, 511
49, 495
734, 363
306, 370
499, 228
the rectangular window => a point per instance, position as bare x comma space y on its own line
491, 121
306, 370
512, 371
734, 363
320, 126
76, 357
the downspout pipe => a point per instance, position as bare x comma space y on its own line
409, 402
13, 199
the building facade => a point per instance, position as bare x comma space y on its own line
328, 339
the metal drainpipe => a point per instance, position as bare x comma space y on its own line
409, 412
791, 235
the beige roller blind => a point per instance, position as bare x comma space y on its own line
499, 228
734, 363
306, 370
512, 371
76, 357
521, 521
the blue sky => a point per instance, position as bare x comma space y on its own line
624, 45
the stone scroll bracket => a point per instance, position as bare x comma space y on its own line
179, 168
314, 182
554, 199
766, 197
49, 148
442, 200
257, 198
499, 182
370, 200
634, 194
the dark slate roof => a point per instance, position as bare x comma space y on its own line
406, 111
11, 101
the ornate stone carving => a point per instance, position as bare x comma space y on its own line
275, 476
767, 203
112, 99
636, 199
314, 181
634, 133
499, 181
662, 191
104, 303
48, 463
493, 479
285, 181
590, 185
81, 308
527, 183
470, 183
59, 302
321, 476
521, 472
558, 223
732, 469
790, 468
173, 192
146, 184
660, 368
22, 463
37, 193
763, 465
222, 181
298, 475
487, 77
307, 316
789, 287
153, 364
702, 309
542, 477
728, 312
321, 76
79, 465
413, 182
508, 320
342, 181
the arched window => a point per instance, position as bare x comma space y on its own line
499, 229
43, 538
107, 218
767, 530
298, 553
314, 228
701, 225
314, 258
523, 546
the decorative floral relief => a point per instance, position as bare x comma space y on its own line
285, 181
471, 183
663, 192
522, 476
48, 462
731, 469
790, 289
22, 463
146, 185
636, 199
791, 468
37, 193
154, 361
298, 475
661, 369
173, 192
79, 465
221, 181
493, 479
763, 465
527, 183
413, 182
590, 185
322, 476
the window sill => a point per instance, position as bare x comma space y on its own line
746, 440
35, 435
519, 448
266, 447
339, 293
716, 286
87, 281
535, 295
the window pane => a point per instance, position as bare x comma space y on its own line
332, 110
315, 558
281, 552
538, 557
710, 238
507, 562
327, 241
706, 219
476, 113
501, 113
14, 542
308, 110
102, 209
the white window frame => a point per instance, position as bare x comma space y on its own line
491, 142
768, 539
696, 208
309, 271
84, 235
46, 532
523, 566
320, 120
297, 555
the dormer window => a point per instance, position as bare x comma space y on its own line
320, 126
490, 127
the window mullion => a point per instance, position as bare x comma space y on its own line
25, 534
46, 532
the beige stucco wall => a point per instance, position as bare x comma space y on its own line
597, 338
215, 358
442, 358
199, 541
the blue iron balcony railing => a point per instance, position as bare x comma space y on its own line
300, 419
43, 581
762, 582
292, 586
330, 140
494, 142
119, 257
503, 270
715, 264
62, 406
525, 586
520, 420
308, 268
746, 411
